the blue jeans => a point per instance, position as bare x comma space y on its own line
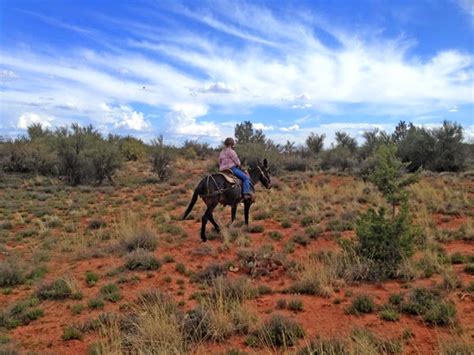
244, 177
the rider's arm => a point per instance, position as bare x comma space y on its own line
235, 158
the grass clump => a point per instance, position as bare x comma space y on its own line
295, 305
56, 290
278, 331
430, 305
20, 313
10, 274
144, 238
457, 258
91, 278
321, 346
361, 304
257, 228
469, 268
71, 333
390, 315
275, 235
96, 303
110, 292
141, 259
96, 223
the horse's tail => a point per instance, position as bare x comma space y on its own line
191, 203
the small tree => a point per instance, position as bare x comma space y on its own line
161, 158
244, 133
381, 240
315, 142
345, 141
449, 152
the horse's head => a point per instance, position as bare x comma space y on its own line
264, 174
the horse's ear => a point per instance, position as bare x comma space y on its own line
265, 163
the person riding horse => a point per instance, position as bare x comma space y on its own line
219, 188
229, 160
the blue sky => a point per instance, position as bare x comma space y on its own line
193, 69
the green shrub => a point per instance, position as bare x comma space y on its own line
361, 304
110, 292
275, 235
257, 228
390, 315
91, 278
57, 289
301, 239
143, 239
281, 303
457, 258
469, 268
295, 305
396, 299
142, 260
20, 313
313, 232
10, 273
321, 346
161, 157
77, 308
96, 303
278, 331
72, 333
441, 313
181, 268
96, 223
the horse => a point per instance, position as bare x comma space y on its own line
215, 189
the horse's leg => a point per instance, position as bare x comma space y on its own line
233, 212
214, 223
246, 211
203, 226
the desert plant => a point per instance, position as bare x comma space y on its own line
278, 331
91, 278
161, 157
57, 289
141, 259
361, 304
110, 292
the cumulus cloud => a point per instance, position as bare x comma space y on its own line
133, 121
262, 126
183, 120
123, 116
294, 127
29, 118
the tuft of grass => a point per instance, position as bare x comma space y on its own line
275, 235
295, 305
361, 304
390, 315
10, 273
281, 304
56, 290
257, 228
110, 292
141, 259
77, 308
469, 268
181, 268
71, 333
96, 303
278, 331
144, 238
20, 313
321, 346
96, 223
457, 258
91, 278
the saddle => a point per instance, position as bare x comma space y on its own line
229, 176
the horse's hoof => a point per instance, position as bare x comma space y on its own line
204, 239
218, 230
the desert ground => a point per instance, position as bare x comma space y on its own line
80, 265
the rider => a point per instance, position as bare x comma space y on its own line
228, 159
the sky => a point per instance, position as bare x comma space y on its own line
194, 69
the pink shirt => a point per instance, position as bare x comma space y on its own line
228, 159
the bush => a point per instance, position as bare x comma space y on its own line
141, 259
457, 258
390, 315
57, 289
321, 346
430, 305
144, 238
91, 278
161, 157
469, 268
339, 158
110, 292
20, 313
71, 333
96, 303
361, 304
10, 274
278, 331
295, 305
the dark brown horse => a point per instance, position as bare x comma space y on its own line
215, 189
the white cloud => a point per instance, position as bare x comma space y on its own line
29, 118
134, 121
262, 127
182, 120
216, 88
295, 127
454, 109
7, 74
